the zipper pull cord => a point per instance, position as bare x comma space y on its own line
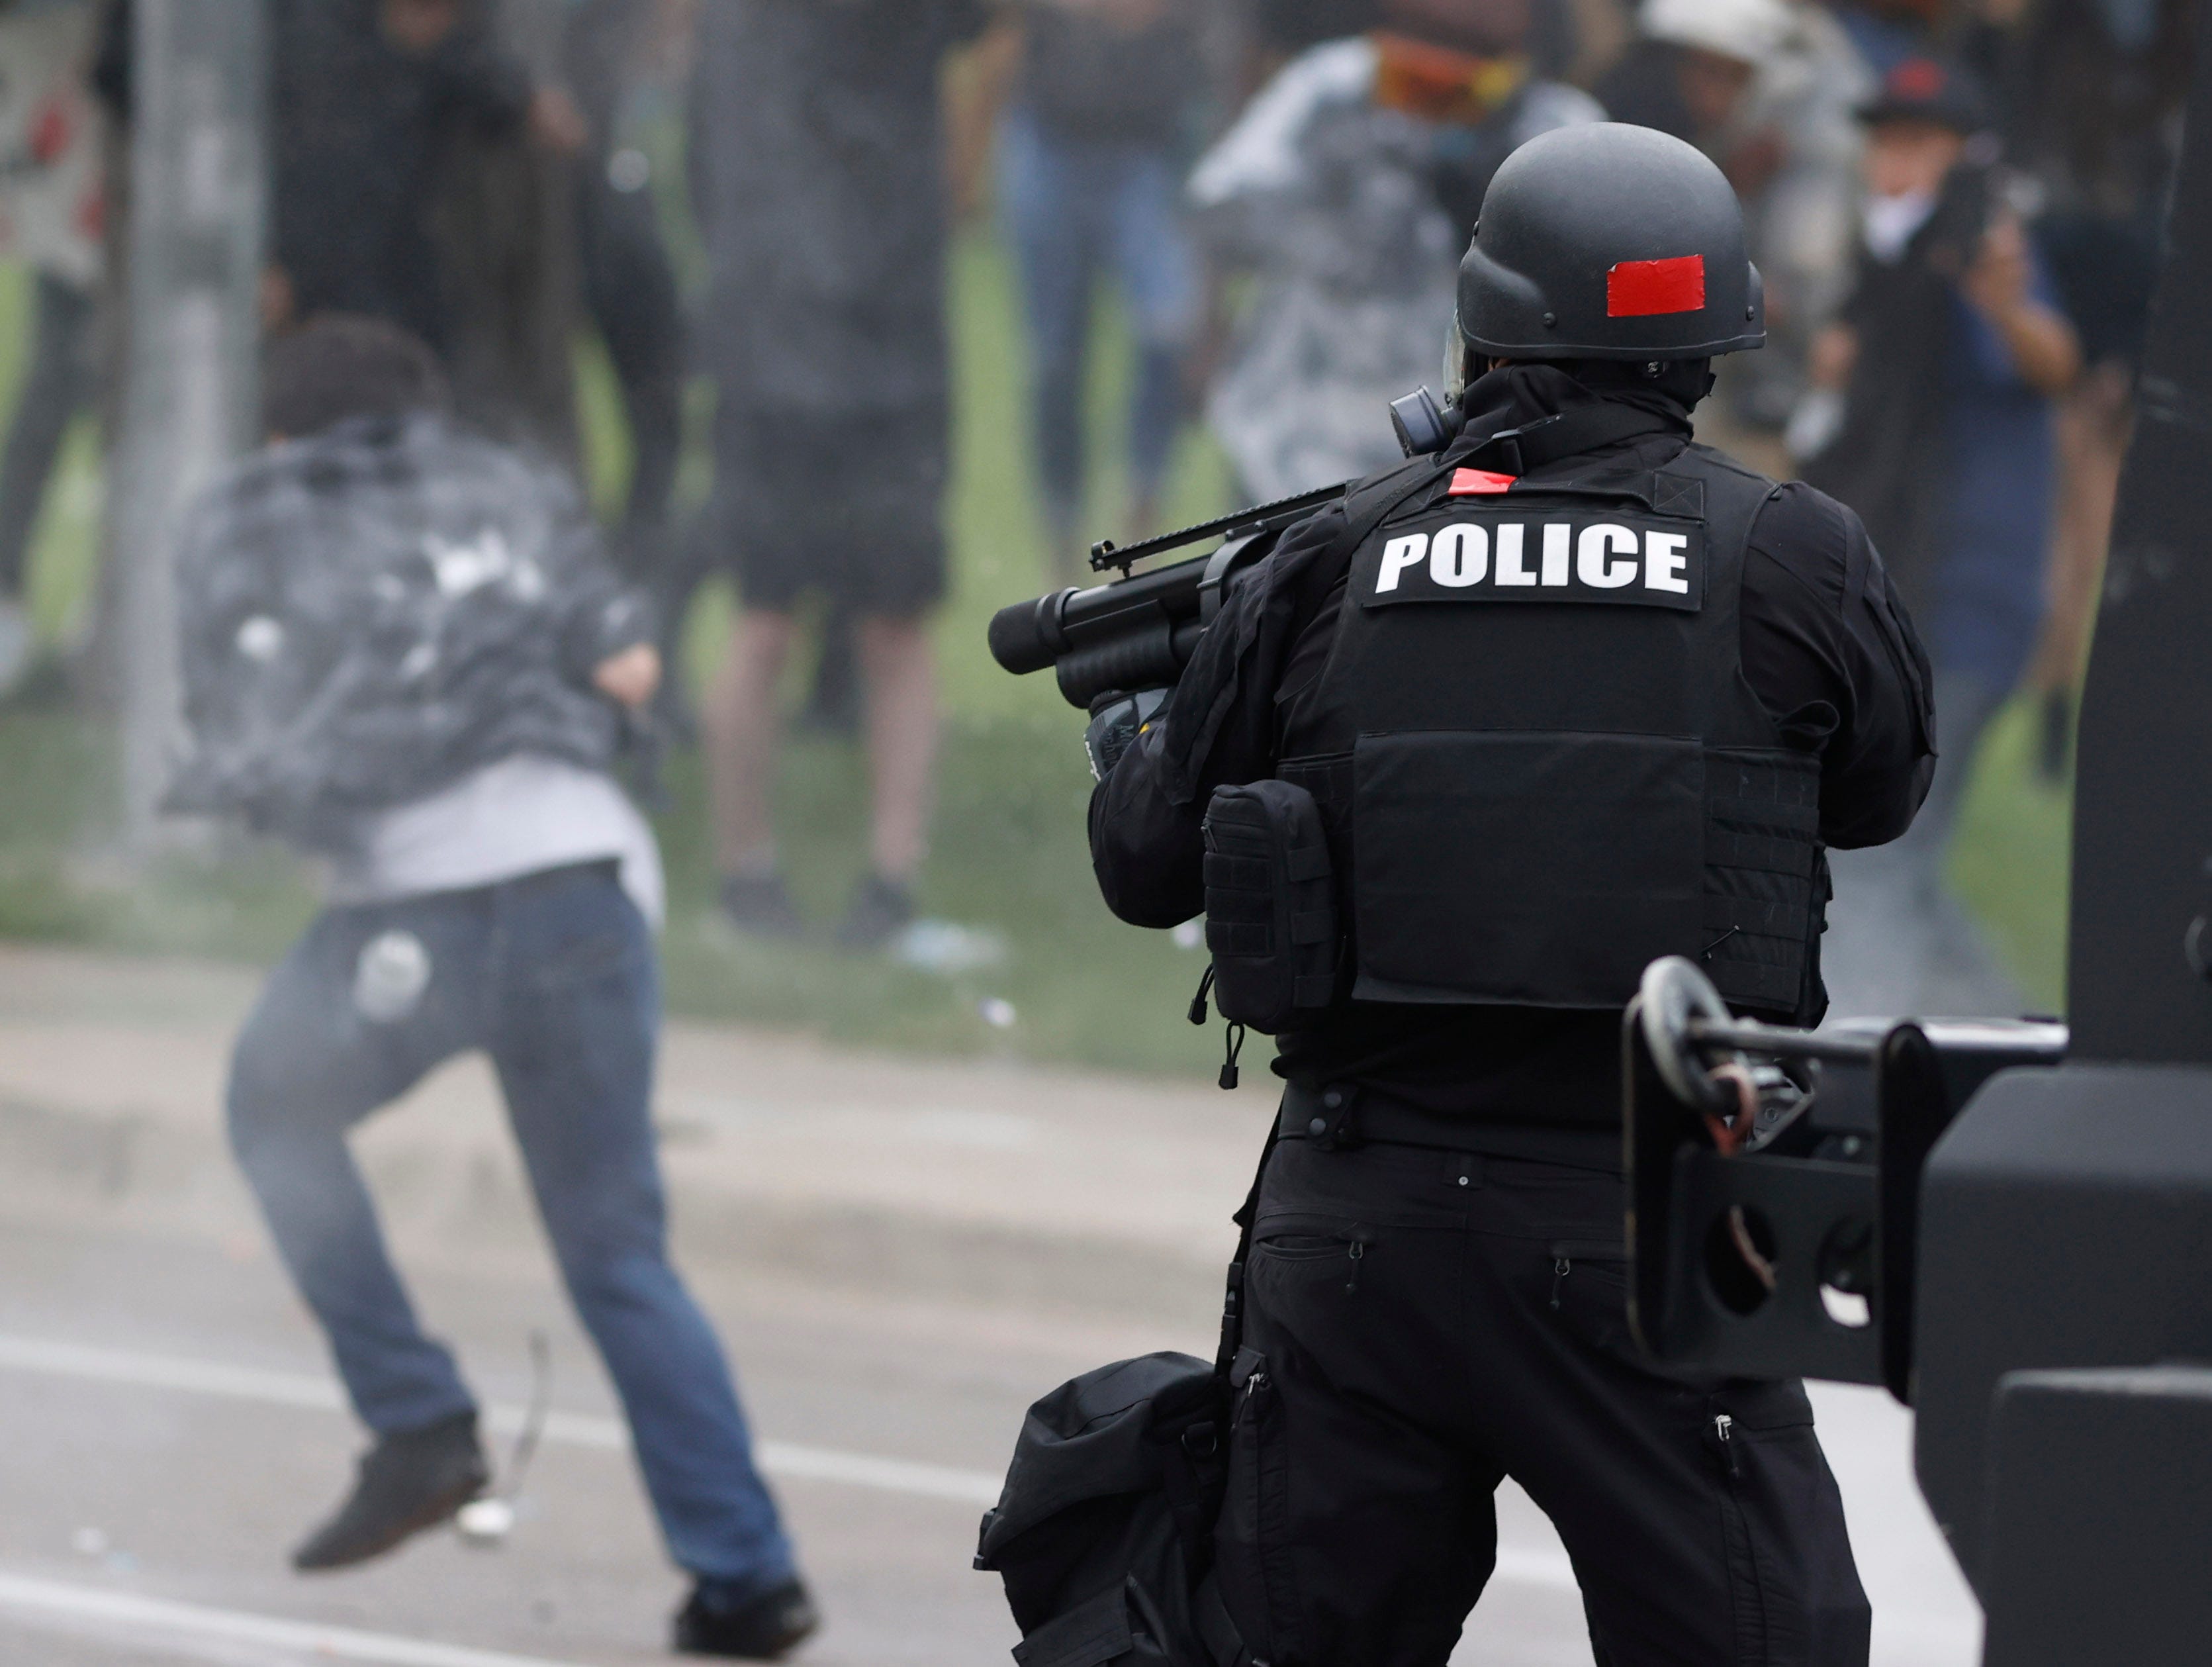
1560, 1269
1358, 1253
1233, 1038
1197, 1013
1723, 1430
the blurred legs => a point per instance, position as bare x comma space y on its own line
1161, 287
743, 727
901, 684
629, 289
1072, 208
308, 1066
579, 1010
55, 385
1049, 209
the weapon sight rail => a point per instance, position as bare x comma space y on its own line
1139, 632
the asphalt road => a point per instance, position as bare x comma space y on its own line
168, 1428
128, 1476
193, 1494
167, 1446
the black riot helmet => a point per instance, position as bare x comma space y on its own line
1607, 241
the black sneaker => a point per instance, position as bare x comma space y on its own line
405, 1483
881, 910
760, 905
762, 1627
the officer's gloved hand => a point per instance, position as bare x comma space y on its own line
1116, 721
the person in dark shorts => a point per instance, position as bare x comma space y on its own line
810, 511
817, 171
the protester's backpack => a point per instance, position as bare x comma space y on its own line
1104, 1533
1270, 917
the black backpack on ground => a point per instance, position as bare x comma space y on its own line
1104, 1534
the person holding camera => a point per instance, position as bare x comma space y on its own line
1449, 769
1934, 417
405, 652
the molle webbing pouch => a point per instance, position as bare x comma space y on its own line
1764, 885
1271, 919
1530, 867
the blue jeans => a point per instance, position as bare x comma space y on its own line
553, 975
1076, 208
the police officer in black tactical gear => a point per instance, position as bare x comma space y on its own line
1571, 695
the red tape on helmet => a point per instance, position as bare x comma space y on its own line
1639, 289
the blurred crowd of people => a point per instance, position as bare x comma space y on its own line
1955, 204
412, 647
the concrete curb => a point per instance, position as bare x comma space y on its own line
987, 1184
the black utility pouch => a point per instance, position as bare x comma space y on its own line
1271, 920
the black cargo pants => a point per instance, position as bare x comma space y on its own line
1420, 1325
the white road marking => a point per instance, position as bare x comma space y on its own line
1518, 1566
320, 1394
181, 1620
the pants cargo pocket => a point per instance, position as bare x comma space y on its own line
1588, 1293
1252, 1543
1793, 1583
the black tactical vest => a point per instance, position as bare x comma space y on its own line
1541, 762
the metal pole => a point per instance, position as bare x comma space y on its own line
197, 208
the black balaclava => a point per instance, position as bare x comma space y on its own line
1510, 395
1677, 384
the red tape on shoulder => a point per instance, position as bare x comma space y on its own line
1477, 483
1638, 289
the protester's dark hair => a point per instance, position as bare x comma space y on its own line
337, 367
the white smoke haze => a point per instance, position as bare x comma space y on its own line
246, 673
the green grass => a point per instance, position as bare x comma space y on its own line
1009, 851
2010, 860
